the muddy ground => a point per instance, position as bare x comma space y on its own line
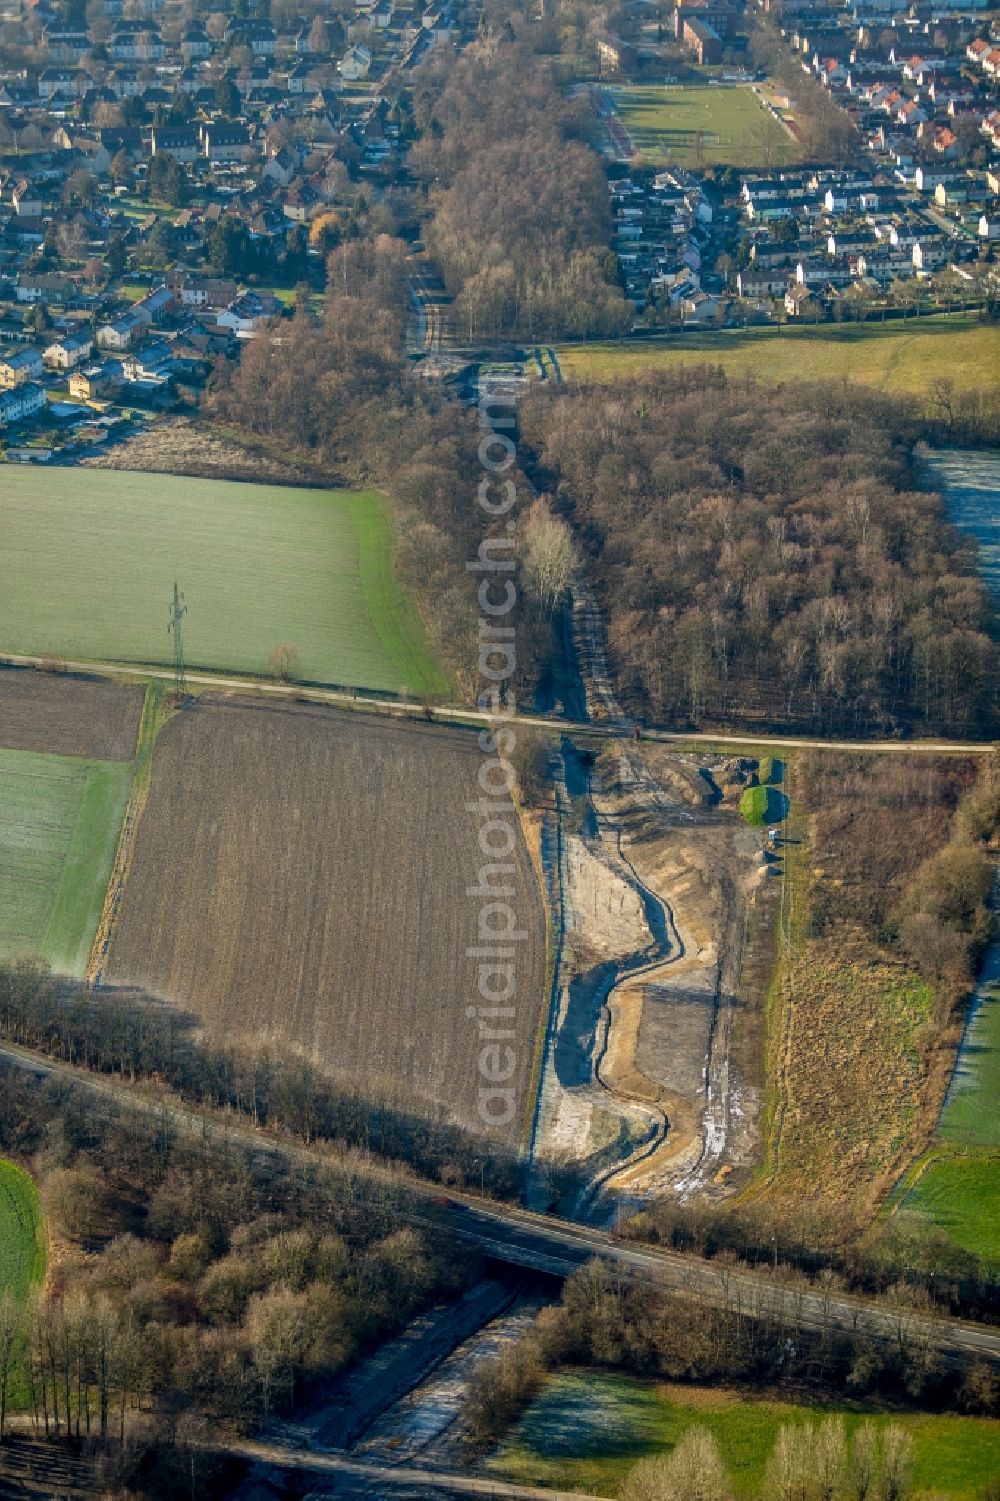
652, 1076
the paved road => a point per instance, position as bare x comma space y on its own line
544, 1243
472, 718
378, 1480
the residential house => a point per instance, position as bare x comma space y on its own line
97, 382
26, 200
19, 367
21, 403
247, 315
69, 351
226, 141
120, 334
156, 305
178, 141
355, 64
44, 286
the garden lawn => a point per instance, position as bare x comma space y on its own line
893, 356
59, 822
91, 557
587, 1429
22, 1232
691, 125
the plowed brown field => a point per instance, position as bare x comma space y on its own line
68, 716
300, 877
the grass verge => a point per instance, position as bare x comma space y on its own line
587, 1429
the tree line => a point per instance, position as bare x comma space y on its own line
605, 1320
137, 1038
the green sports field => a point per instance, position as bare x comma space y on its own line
586, 1430
697, 124
22, 1232
893, 356
59, 824
91, 557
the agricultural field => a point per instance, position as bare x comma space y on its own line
59, 823
587, 1428
893, 356
703, 125
22, 1232
67, 715
92, 557
300, 877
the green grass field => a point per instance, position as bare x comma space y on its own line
894, 356
91, 557
587, 1429
59, 824
958, 1184
691, 125
22, 1232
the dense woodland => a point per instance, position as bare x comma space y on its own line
194, 1279
520, 222
764, 554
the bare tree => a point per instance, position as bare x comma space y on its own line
550, 555
284, 662
897, 1464
692, 1471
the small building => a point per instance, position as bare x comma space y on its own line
26, 201
96, 382
355, 64
248, 314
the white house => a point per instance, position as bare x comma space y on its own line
122, 333
248, 314
15, 406
69, 351
356, 63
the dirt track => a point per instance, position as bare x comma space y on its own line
300, 879
64, 715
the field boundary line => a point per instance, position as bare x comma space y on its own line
138, 796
